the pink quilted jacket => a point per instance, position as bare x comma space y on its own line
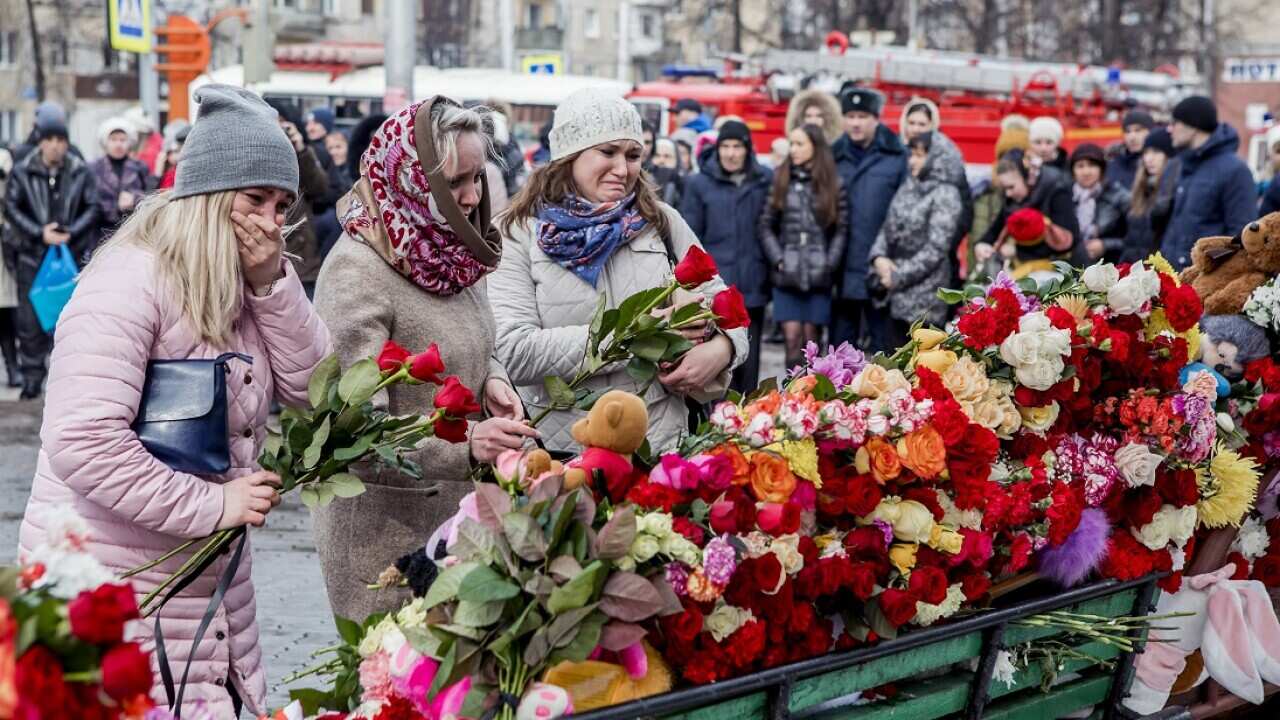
136, 507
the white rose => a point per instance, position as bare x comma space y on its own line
658, 524
1127, 296
725, 620
1039, 419
1182, 524
644, 547
1225, 423
1040, 375
1034, 322
683, 551
1147, 279
1137, 464
1100, 277
1020, 349
1055, 342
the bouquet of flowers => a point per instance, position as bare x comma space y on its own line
314, 448
62, 635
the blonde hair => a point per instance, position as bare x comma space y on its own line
449, 121
197, 257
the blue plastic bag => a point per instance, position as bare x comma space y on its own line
54, 283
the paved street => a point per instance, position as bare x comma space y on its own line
293, 611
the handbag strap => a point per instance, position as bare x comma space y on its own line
224, 582
227, 357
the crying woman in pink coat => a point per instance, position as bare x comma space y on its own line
194, 273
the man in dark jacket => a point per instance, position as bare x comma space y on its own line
51, 199
1123, 168
47, 113
721, 205
1216, 194
872, 164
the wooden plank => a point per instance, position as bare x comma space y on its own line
743, 707
925, 700
1060, 701
1030, 677
1108, 606
818, 689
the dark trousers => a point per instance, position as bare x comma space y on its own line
847, 323
34, 343
747, 375
9, 338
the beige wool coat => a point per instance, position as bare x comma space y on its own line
365, 302
544, 314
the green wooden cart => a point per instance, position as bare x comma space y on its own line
827, 688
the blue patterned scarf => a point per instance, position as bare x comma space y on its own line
581, 236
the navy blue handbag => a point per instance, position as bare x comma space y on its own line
182, 416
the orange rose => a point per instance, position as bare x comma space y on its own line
885, 464
923, 452
741, 467
771, 479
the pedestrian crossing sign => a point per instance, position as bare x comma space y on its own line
129, 23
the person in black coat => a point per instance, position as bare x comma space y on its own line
51, 199
1123, 168
1101, 207
1152, 197
1028, 184
721, 204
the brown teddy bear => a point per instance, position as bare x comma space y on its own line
1225, 271
610, 433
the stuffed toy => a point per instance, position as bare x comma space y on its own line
1225, 271
639, 671
525, 468
610, 434
1233, 625
544, 701
1230, 342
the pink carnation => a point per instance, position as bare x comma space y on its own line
375, 678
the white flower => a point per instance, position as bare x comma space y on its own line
1004, 669
1263, 306
787, 548
412, 615
655, 523
1100, 277
759, 431
67, 573
953, 516
1252, 539
679, 548
1036, 351
1183, 525
372, 640
1131, 292
1169, 525
728, 418
1040, 375
726, 619
1177, 559
1137, 464
927, 614
644, 547
1225, 423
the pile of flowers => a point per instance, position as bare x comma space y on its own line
63, 652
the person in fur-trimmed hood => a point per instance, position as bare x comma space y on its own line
816, 107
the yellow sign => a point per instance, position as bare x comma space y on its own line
129, 24
548, 64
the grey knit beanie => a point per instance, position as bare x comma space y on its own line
592, 116
236, 142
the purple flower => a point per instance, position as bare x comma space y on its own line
719, 560
839, 365
885, 529
1028, 303
677, 576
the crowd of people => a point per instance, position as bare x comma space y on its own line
281, 239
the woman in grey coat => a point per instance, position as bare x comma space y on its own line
910, 256
802, 232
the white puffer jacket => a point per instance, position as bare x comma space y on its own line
543, 312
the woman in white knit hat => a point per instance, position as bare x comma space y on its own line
590, 222
1046, 142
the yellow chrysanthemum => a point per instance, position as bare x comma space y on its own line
1227, 493
1159, 264
1077, 305
1193, 341
801, 457
1158, 323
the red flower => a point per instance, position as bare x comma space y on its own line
745, 645
38, 679
779, 518
98, 616
452, 430
392, 357
1177, 487
766, 571
1064, 512
898, 606
1182, 307
696, 268
456, 399
1242, 566
427, 366
1128, 559
1264, 370
398, 707
1141, 505
975, 585
652, 496
1266, 570
707, 665
863, 580
929, 584
1061, 318
865, 543
126, 671
683, 626
730, 309
1019, 553
1026, 225
689, 530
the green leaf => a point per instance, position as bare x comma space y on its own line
528, 621
312, 454
607, 325
641, 370
562, 630
561, 512
587, 398
824, 389
951, 297
492, 503
309, 497
878, 622
1029, 285
524, 534
676, 347
559, 391
445, 588
358, 383
584, 642
351, 420
478, 614
324, 492
321, 378
615, 537
598, 329
345, 485
630, 598
299, 436
578, 591
685, 313
312, 700
649, 347
348, 630
698, 510
632, 306
564, 568
483, 584
356, 451
766, 386
474, 542
444, 671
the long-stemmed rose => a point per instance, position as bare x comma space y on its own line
315, 448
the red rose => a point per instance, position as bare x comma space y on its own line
1266, 570
863, 580
1182, 307
929, 584
392, 357
1177, 487
696, 268
456, 399
427, 366
898, 606
862, 495
683, 626
766, 571
779, 519
126, 671
730, 309
38, 680
689, 530
453, 430
975, 585
98, 616
865, 543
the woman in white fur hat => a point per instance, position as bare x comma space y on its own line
122, 180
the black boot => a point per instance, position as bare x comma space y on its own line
31, 389
15, 375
